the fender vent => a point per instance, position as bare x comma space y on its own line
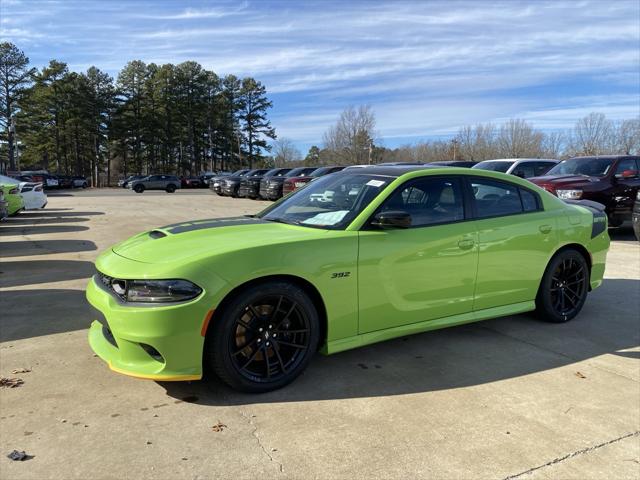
157, 234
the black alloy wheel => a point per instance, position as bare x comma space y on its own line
564, 287
264, 338
138, 188
171, 188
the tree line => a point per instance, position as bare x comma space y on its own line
354, 140
168, 118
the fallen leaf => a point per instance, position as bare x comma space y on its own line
21, 370
580, 375
17, 456
218, 427
10, 382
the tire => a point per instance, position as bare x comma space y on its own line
84, 185
564, 286
242, 346
138, 188
170, 188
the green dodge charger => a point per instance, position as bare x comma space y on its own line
355, 257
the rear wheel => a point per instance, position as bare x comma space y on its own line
263, 338
171, 188
564, 287
138, 188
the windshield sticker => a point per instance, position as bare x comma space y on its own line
328, 218
375, 183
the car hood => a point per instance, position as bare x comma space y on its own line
564, 180
205, 238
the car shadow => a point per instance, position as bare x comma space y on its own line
32, 220
464, 356
60, 212
24, 248
623, 234
33, 272
39, 312
8, 230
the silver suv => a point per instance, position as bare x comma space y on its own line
168, 183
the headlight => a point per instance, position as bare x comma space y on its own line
161, 291
569, 194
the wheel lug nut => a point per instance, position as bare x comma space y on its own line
270, 326
275, 334
260, 329
268, 344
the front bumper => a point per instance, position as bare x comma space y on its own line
271, 192
162, 342
229, 190
248, 191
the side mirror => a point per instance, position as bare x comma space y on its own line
392, 219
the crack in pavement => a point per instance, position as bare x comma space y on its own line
255, 434
574, 454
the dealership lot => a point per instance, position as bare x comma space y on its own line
507, 398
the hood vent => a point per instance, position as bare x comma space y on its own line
157, 234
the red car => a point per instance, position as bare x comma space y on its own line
293, 183
190, 182
612, 180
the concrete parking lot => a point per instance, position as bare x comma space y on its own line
506, 398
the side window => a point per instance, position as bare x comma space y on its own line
626, 164
493, 199
529, 200
524, 170
540, 168
430, 201
154, 178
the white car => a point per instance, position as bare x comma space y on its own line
32, 193
521, 167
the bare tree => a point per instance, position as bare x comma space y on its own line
477, 143
285, 152
351, 139
553, 145
592, 135
517, 139
627, 136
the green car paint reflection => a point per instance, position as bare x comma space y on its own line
353, 258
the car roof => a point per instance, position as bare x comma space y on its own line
390, 170
612, 157
521, 160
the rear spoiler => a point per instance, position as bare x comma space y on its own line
591, 205
599, 215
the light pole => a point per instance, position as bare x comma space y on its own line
455, 144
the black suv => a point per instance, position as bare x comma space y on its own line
231, 184
168, 183
251, 186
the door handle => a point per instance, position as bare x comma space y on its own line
466, 243
544, 228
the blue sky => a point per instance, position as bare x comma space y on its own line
426, 67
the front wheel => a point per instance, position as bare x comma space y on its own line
264, 337
564, 287
138, 188
171, 188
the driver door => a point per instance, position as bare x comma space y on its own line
424, 272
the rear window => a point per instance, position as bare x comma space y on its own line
494, 166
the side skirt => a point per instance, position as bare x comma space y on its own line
403, 330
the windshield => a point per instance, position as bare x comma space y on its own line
494, 166
331, 202
592, 167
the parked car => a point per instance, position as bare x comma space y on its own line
168, 183
251, 186
49, 181
215, 183
15, 203
272, 189
80, 182
4, 205
191, 182
297, 178
612, 180
455, 163
205, 177
231, 184
65, 181
124, 182
521, 167
33, 196
635, 217
396, 251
